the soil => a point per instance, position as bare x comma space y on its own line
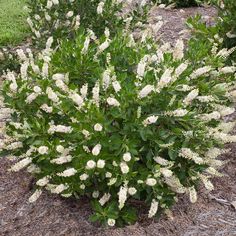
213, 214
175, 21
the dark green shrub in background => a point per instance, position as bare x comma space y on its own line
181, 3
61, 19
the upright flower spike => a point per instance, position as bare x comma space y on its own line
153, 209
122, 196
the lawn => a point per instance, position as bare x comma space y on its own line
13, 25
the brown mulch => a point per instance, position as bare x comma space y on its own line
175, 21
212, 215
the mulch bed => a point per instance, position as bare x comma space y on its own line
212, 215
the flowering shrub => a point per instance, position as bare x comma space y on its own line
227, 23
118, 120
221, 34
62, 18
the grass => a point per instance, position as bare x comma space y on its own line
13, 25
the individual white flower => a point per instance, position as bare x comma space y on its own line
45, 70
191, 96
181, 68
104, 199
225, 111
207, 183
77, 99
37, 89
215, 115
192, 194
82, 186
96, 150
108, 174
146, 91
49, 4
107, 32
86, 148
21, 54
166, 172
100, 8
21, 164
95, 194
86, 45
141, 68
98, 127
59, 129
116, 86
68, 172
46, 108
153, 209
161, 161
112, 181
59, 188
111, 222
14, 145
201, 71
104, 46
178, 52
106, 78
83, 177
122, 195
150, 120
124, 168
113, 102
86, 133
62, 160
127, 157
31, 98
60, 84
60, 148
43, 181
58, 76
33, 169
35, 196
165, 79
90, 164
66, 195
151, 182
55, 2
205, 99
189, 154
100, 164
228, 70
69, 14
13, 87
49, 42
95, 92
179, 112
52, 95
84, 91
132, 191
43, 150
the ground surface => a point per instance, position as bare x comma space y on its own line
13, 26
212, 215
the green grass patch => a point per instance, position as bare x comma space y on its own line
13, 25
